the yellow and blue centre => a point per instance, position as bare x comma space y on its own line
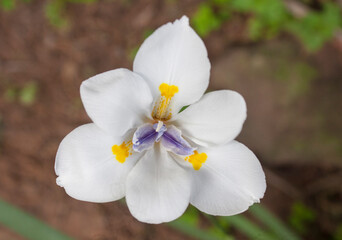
171, 138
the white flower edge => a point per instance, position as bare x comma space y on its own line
216, 119
158, 189
86, 167
88, 170
117, 100
229, 181
176, 55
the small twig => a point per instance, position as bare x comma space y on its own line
281, 184
297, 9
330, 181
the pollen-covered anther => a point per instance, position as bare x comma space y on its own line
168, 91
161, 110
197, 159
122, 151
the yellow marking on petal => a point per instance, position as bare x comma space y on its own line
168, 91
122, 151
197, 159
161, 110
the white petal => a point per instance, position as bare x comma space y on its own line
175, 54
117, 100
158, 189
229, 181
87, 168
216, 119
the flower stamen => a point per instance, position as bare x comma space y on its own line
197, 159
161, 109
122, 151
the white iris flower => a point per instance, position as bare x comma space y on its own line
142, 147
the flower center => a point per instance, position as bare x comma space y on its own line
161, 109
170, 137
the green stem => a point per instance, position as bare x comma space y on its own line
26, 225
248, 228
273, 223
215, 222
191, 230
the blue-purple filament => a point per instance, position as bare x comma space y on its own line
146, 135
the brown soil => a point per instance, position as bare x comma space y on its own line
101, 37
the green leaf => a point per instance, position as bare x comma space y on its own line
188, 223
183, 108
301, 217
255, 28
147, 33
133, 52
191, 216
338, 233
272, 222
269, 17
219, 234
243, 5
54, 12
26, 225
219, 228
7, 5
248, 228
205, 20
317, 27
192, 230
27, 94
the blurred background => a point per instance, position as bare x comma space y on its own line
284, 57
